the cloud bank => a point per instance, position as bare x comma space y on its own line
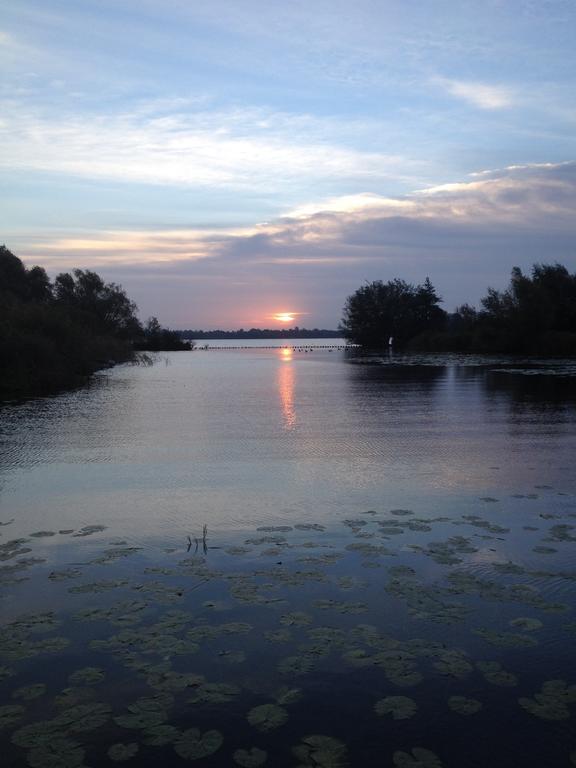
466, 236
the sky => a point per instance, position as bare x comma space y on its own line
229, 160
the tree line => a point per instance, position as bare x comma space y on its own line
263, 333
52, 334
536, 314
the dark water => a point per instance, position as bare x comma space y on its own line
304, 558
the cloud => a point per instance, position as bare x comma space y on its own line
250, 149
348, 204
513, 203
477, 94
465, 236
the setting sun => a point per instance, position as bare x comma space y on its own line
284, 317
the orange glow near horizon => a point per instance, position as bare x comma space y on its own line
284, 317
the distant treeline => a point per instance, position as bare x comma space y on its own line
263, 333
536, 314
53, 334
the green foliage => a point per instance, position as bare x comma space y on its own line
378, 311
53, 336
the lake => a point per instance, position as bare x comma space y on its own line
297, 556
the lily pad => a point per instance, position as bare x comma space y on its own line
309, 527
506, 639
321, 752
266, 717
57, 753
454, 664
29, 692
122, 752
463, 705
214, 693
65, 574
86, 676
272, 528
168, 680
35, 734
400, 707
70, 697
160, 735
193, 745
286, 696
10, 714
88, 530
296, 619
552, 702
84, 717
493, 673
526, 624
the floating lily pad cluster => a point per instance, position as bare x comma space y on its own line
399, 707
319, 751
224, 652
552, 702
464, 706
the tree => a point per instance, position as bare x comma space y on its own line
12, 274
378, 311
534, 313
153, 327
21, 283
156, 338
39, 287
104, 305
53, 336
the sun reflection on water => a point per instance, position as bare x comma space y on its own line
286, 388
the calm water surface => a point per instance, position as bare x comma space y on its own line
292, 557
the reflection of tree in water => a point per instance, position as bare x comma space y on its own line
401, 380
542, 393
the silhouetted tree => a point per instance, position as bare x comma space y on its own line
21, 283
12, 274
105, 305
378, 310
51, 336
157, 339
39, 286
536, 313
